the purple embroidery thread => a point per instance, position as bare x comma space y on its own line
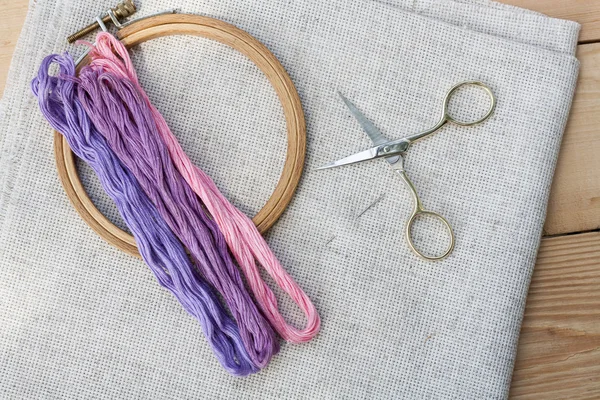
158, 246
120, 114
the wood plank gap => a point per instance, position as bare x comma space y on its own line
570, 233
591, 41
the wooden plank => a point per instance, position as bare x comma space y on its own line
559, 348
586, 12
11, 22
575, 199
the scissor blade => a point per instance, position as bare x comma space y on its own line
374, 133
358, 157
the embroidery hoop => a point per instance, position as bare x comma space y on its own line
188, 24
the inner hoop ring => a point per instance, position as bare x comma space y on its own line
210, 28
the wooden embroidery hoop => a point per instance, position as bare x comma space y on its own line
188, 24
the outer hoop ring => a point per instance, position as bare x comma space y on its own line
188, 24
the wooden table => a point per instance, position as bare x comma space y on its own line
559, 350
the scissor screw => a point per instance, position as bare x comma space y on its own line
121, 10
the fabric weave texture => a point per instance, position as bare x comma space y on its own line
79, 319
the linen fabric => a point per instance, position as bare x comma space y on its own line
80, 319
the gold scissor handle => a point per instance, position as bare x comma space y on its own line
411, 221
420, 211
446, 115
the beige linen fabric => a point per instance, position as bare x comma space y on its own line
79, 319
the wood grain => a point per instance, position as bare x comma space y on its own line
575, 198
586, 12
559, 348
12, 17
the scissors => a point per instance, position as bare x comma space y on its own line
394, 152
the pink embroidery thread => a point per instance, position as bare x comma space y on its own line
245, 242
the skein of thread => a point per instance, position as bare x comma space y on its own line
120, 114
159, 247
245, 241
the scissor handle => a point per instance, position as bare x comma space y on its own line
446, 117
420, 211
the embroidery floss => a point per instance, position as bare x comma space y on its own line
158, 246
119, 113
245, 242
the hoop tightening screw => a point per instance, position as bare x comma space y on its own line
121, 11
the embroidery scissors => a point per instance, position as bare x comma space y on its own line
394, 152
